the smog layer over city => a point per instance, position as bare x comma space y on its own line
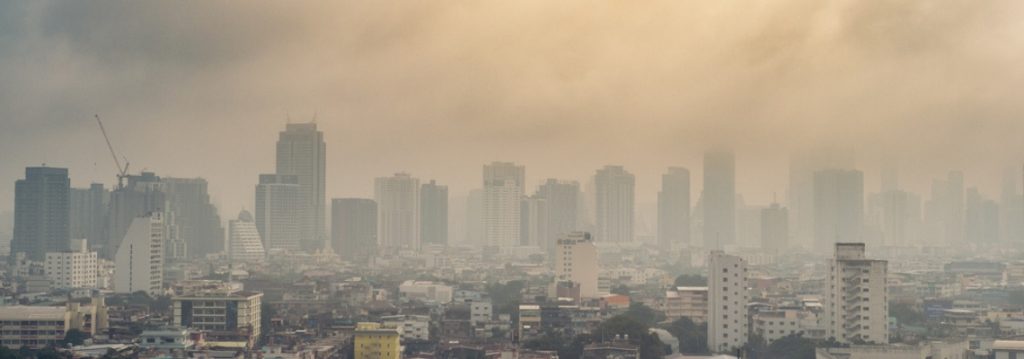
517, 179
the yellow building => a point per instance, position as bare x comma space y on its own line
373, 341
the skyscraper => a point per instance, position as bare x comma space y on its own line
838, 207
774, 228
614, 190
562, 199
197, 221
278, 202
800, 194
727, 302
981, 224
244, 242
674, 209
898, 215
856, 299
301, 152
945, 211
503, 189
434, 213
475, 217
138, 264
88, 216
533, 228
719, 199
354, 228
41, 212
142, 195
398, 211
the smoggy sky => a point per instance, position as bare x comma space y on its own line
437, 88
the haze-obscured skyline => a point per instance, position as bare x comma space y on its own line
201, 89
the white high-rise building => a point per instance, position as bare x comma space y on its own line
76, 268
277, 211
614, 203
244, 243
727, 302
503, 189
138, 264
576, 261
856, 299
301, 152
398, 211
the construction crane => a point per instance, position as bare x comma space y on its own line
122, 171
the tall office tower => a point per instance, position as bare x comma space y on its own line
354, 228
503, 189
138, 264
88, 218
301, 152
719, 199
855, 299
800, 195
982, 218
41, 212
198, 223
244, 242
674, 209
142, 194
398, 211
278, 203
533, 229
434, 213
838, 207
727, 302
1011, 207
475, 217
748, 224
563, 202
945, 211
898, 215
614, 204
576, 261
74, 268
774, 228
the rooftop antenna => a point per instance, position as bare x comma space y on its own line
122, 171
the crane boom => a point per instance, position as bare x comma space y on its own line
122, 171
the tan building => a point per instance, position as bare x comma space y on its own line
374, 341
229, 318
687, 302
856, 301
576, 261
39, 327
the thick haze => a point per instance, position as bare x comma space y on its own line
201, 88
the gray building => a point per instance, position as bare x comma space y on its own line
398, 211
278, 202
504, 184
142, 195
719, 199
354, 228
197, 221
838, 207
434, 213
674, 209
301, 152
774, 228
88, 217
563, 201
41, 212
614, 203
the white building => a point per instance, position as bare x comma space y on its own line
776, 324
576, 261
614, 204
856, 298
39, 326
138, 264
504, 184
425, 291
226, 316
398, 211
411, 327
278, 207
727, 302
480, 311
76, 268
244, 243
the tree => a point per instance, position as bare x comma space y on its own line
693, 338
637, 332
691, 280
74, 337
793, 346
906, 314
620, 289
505, 297
644, 314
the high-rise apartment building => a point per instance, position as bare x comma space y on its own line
74, 268
856, 299
354, 228
41, 212
944, 213
88, 218
563, 202
195, 217
838, 207
244, 242
142, 194
774, 228
504, 184
727, 302
533, 224
434, 213
138, 264
576, 261
898, 215
614, 204
301, 152
800, 194
981, 223
719, 199
674, 209
278, 202
398, 211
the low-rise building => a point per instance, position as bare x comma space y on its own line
39, 327
425, 291
412, 327
75, 268
374, 341
229, 317
687, 302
